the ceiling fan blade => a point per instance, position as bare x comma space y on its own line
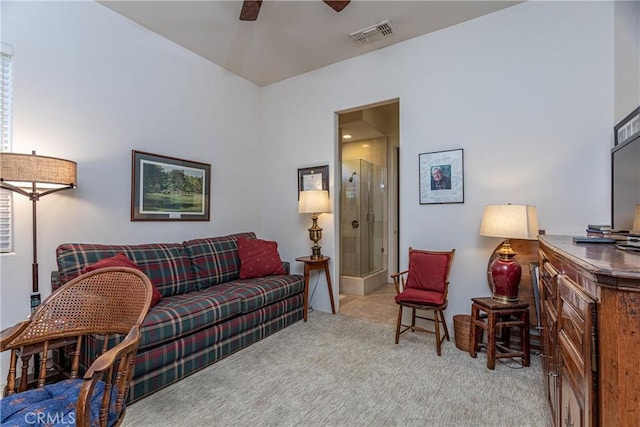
337, 5
250, 10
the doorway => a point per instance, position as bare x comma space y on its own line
369, 143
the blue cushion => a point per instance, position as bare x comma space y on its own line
52, 405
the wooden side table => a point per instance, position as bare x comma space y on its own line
34, 350
501, 316
311, 264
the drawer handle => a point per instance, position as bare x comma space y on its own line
551, 374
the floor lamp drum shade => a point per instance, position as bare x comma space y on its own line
314, 202
23, 170
35, 176
508, 222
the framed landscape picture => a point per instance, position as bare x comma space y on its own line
169, 189
441, 177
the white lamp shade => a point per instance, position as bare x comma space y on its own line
510, 222
314, 201
636, 219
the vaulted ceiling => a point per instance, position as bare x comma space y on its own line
291, 37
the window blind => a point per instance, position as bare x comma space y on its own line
6, 92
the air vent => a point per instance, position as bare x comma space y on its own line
373, 33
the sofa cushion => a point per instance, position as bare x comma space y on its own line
257, 293
258, 258
215, 259
166, 264
181, 315
184, 358
121, 260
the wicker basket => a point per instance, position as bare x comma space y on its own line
462, 329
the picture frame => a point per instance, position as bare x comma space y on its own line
628, 128
168, 188
313, 178
441, 177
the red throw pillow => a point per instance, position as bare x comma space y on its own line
259, 258
428, 270
121, 260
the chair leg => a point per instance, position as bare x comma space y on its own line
413, 319
436, 323
399, 324
444, 325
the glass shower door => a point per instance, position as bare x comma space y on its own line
362, 218
375, 218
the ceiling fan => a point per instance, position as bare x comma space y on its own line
250, 9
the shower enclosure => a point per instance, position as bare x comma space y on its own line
362, 222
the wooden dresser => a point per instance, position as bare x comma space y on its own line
590, 298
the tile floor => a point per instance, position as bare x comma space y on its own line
378, 306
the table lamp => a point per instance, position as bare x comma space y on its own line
314, 202
508, 222
34, 177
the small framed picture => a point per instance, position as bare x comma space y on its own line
441, 177
169, 189
628, 128
313, 178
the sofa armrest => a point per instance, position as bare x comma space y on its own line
287, 267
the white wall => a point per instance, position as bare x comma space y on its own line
91, 86
527, 92
626, 58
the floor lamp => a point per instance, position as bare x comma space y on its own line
34, 177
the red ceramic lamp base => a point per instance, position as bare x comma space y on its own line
505, 279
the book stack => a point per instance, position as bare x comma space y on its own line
623, 239
606, 231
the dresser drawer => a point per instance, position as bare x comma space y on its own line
571, 294
576, 328
548, 279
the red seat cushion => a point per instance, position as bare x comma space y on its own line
420, 296
259, 258
428, 270
121, 260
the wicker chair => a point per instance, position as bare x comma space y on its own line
110, 302
425, 288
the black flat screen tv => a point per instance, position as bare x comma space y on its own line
625, 183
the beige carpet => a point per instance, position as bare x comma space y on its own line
338, 371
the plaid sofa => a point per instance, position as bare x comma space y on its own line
206, 312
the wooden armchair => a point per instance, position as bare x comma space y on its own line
424, 286
110, 302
